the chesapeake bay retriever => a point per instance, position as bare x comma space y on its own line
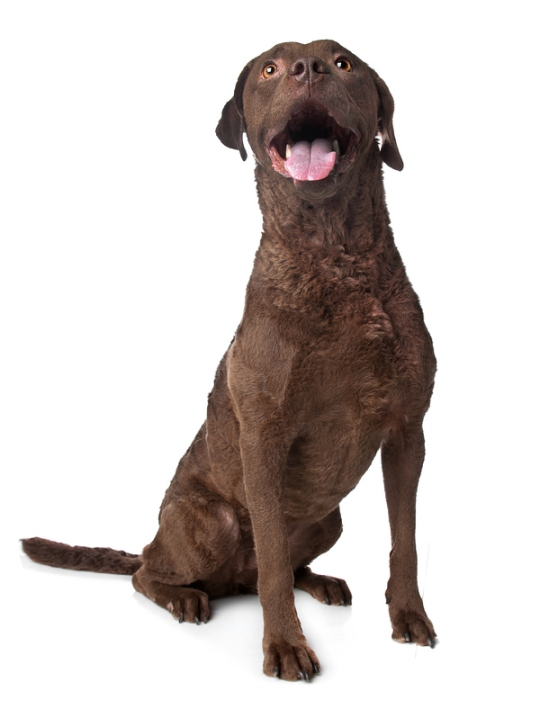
331, 362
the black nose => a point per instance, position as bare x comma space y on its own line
308, 69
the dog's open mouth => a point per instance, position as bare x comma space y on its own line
312, 145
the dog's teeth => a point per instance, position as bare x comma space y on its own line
335, 145
288, 151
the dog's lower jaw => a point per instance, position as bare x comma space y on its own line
310, 190
317, 190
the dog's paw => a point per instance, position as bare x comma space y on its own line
189, 605
290, 661
326, 589
412, 626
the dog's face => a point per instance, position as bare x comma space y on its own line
310, 111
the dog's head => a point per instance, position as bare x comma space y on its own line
310, 111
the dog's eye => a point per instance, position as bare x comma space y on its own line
343, 64
269, 70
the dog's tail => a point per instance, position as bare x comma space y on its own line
100, 559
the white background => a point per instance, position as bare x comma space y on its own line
128, 233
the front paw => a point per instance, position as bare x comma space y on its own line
290, 660
411, 625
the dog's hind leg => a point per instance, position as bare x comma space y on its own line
184, 603
307, 542
195, 538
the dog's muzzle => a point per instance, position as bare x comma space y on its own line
313, 145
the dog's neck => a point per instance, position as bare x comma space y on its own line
332, 246
355, 218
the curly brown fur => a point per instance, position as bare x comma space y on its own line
331, 362
100, 559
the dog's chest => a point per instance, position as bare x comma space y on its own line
352, 374
341, 404
346, 363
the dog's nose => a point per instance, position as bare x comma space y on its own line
308, 69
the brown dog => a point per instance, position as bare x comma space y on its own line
331, 362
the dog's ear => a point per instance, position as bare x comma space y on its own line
231, 124
389, 149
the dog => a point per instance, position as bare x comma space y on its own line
331, 362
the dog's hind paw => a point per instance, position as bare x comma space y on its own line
189, 605
326, 589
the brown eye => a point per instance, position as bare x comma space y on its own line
269, 70
343, 64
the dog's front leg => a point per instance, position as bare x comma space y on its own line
286, 652
402, 459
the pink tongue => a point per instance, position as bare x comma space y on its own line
311, 161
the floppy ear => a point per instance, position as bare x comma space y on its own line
389, 149
231, 124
